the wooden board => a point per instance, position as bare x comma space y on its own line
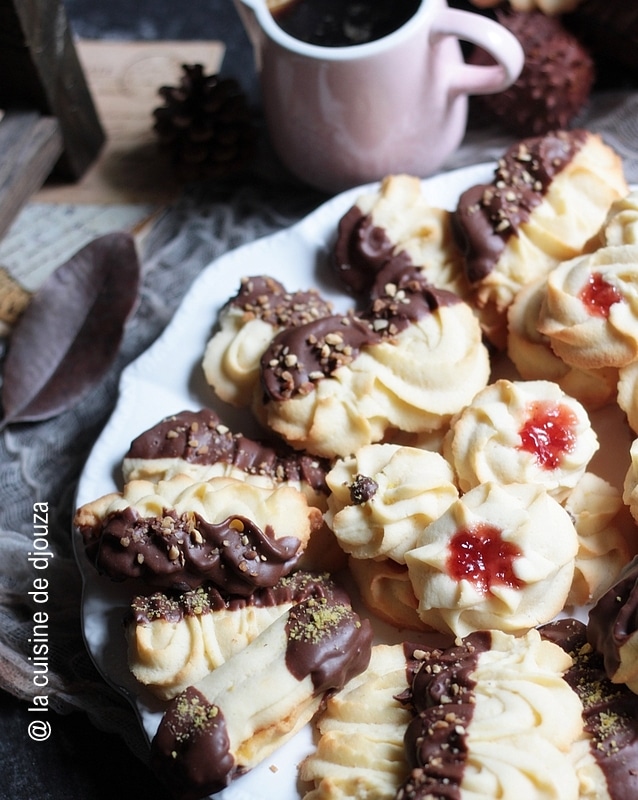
124, 78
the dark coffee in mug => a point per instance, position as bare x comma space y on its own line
342, 23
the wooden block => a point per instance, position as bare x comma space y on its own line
124, 78
41, 71
30, 145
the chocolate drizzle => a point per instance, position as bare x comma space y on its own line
442, 699
610, 711
488, 215
200, 437
327, 641
182, 552
191, 749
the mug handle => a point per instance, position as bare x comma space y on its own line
500, 43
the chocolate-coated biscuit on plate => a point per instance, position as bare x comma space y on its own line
409, 362
396, 223
246, 325
519, 226
241, 712
179, 534
492, 717
175, 639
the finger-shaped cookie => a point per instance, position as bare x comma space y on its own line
177, 533
241, 712
360, 752
174, 640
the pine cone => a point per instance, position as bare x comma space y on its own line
205, 124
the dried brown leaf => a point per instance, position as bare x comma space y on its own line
71, 331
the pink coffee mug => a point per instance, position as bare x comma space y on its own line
342, 116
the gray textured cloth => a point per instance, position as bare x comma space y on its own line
42, 462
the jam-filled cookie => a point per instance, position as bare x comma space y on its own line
519, 226
500, 557
247, 323
397, 224
241, 712
590, 309
522, 432
531, 353
180, 534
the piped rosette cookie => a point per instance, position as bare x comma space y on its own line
522, 432
175, 639
241, 712
246, 325
531, 353
409, 363
519, 226
381, 499
500, 557
179, 534
360, 751
590, 309
396, 224
621, 226
612, 628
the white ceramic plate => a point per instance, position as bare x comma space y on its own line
167, 378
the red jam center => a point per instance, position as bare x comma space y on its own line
548, 433
480, 555
598, 295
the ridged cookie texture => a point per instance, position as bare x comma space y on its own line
246, 325
250, 705
179, 534
408, 363
500, 557
519, 226
175, 640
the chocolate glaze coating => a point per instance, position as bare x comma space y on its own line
297, 358
327, 641
614, 618
200, 437
207, 599
191, 749
184, 552
487, 215
361, 250
441, 697
265, 298
610, 711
